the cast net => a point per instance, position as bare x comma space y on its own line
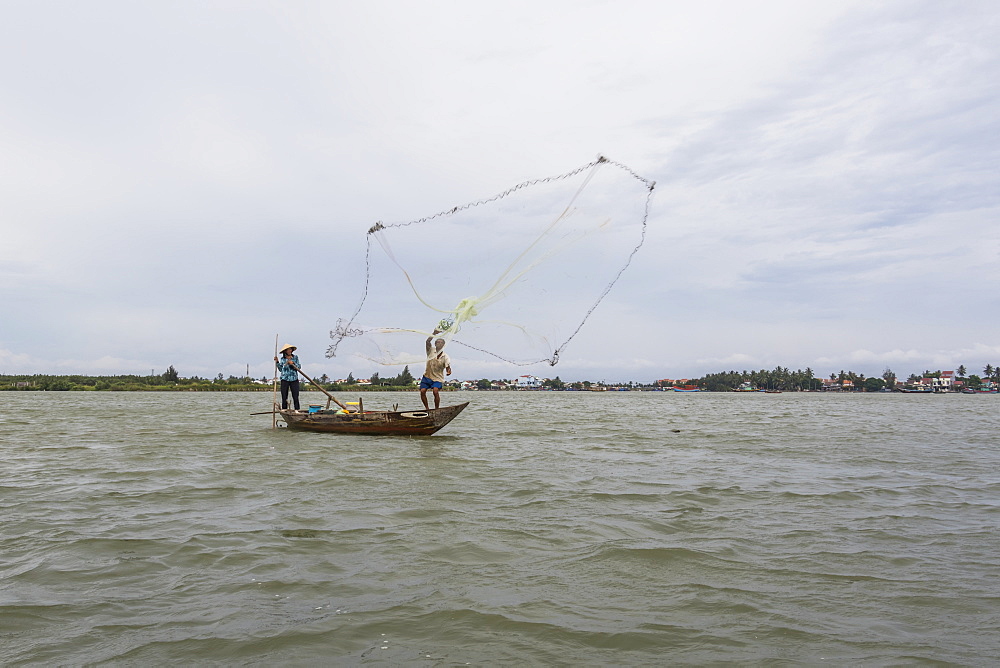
512, 278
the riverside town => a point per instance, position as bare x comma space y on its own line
776, 380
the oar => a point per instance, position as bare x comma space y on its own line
321, 389
274, 399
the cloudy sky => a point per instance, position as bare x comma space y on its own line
182, 181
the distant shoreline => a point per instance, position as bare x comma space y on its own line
777, 381
366, 389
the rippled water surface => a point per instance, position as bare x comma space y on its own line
536, 529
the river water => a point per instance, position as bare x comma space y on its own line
537, 529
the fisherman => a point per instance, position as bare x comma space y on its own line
438, 364
288, 366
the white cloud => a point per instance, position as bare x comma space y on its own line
18, 362
736, 361
178, 182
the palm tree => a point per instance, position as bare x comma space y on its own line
988, 371
961, 371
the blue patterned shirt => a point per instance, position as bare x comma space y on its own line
287, 372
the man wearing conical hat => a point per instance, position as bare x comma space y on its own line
288, 367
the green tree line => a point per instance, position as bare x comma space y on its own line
170, 380
785, 379
167, 381
779, 378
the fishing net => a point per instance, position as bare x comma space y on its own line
512, 278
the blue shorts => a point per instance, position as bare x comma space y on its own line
426, 383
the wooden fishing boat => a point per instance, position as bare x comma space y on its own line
376, 423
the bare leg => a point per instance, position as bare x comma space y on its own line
437, 399
423, 396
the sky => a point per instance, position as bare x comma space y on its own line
182, 182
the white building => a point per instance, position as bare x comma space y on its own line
528, 382
944, 382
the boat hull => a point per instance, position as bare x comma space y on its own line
374, 423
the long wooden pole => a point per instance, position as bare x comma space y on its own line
321, 388
274, 400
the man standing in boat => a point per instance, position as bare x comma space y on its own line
438, 364
288, 367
